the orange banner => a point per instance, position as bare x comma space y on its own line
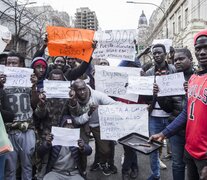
76, 43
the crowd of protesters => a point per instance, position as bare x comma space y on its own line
181, 118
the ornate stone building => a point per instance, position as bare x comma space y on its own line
178, 20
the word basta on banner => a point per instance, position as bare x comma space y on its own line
76, 43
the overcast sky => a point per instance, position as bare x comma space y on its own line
111, 14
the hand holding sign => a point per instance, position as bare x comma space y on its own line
155, 89
42, 100
81, 144
2, 79
49, 138
185, 85
33, 79
94, 44
93, 107
46, 40
72, 98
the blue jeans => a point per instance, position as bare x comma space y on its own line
156, 125
2, 165
24, 147
177, 147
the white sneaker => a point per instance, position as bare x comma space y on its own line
162, 165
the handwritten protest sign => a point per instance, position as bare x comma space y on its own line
117, 121
71, 42
18, 77
170, 85
113, 80
65, 136
56, 89
142, 85
166, 42
116, 44
5, 37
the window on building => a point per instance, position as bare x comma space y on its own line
173, 28
179, 24
186, 17
22, 46
32, 49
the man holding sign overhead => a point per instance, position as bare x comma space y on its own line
71, 42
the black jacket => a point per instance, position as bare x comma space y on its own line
6, 112
170, 69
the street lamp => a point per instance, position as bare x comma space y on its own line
135, 2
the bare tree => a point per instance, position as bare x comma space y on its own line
22, 21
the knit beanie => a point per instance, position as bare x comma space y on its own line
199, 34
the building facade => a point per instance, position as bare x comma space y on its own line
28, 25
86, 19
178, 20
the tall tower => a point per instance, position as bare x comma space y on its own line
142, 36
86, 19
142, 27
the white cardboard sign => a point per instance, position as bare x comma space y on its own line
113, 81
115, 44
170, 85
119, 120
56, 89
18, 77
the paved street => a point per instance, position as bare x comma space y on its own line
144, 167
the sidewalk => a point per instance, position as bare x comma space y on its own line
144, 167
